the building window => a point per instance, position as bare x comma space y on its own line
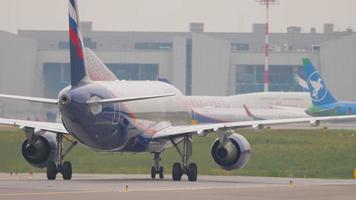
135, 71
89, 43
56, 77
240, 47
316, 48
249, 78
153, 46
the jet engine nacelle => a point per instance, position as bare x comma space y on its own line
233, 153
41, 150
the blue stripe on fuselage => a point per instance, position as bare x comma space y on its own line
205, 119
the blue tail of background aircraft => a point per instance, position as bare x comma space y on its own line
77, 59
319, 93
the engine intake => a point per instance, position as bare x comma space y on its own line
233, 154
41, 150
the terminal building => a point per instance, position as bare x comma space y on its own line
197, 62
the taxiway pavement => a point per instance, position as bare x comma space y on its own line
87, 187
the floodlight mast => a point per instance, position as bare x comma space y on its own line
267, 3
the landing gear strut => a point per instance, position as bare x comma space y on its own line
190, 169
65, 168
157, 169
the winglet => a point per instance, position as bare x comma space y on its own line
249, 114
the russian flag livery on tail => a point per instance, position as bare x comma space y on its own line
77, 55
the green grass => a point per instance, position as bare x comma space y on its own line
296, 153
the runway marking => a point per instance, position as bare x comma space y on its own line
140, 190
159, 189
52, 193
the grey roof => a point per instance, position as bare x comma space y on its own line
125, 41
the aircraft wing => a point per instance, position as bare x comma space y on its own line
175, 131
45, 126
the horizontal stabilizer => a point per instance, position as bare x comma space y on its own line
45, 126
33, 99
126, 99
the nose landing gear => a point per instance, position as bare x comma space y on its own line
157, 169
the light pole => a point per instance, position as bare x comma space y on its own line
267, 3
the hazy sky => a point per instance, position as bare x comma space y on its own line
175, 15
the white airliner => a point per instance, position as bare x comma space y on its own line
127, 116
217, 109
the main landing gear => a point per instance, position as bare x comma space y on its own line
178, 169
58, 166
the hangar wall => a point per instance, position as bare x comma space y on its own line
338, 66
210, 65
18, 64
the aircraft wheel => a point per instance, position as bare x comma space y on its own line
177, 172
52, 171
66, 170
161, 172
192, 172
153, 172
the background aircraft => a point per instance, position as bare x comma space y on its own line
127, 116
324, 103
216, 109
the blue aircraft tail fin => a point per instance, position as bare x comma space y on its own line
77, 55
319, 93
